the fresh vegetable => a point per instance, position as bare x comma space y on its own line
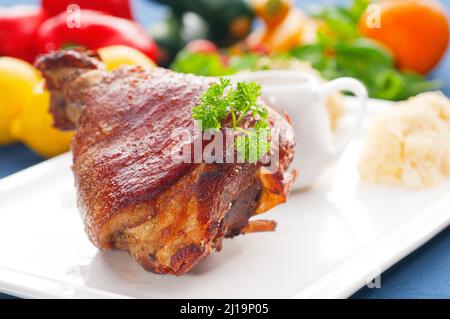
416, 31
116, 55
216, 64
97, 30
222, 100
227, 21
206, 64
118, 8
341, 51
339, 21
360, 58
272, 12
17, 29
167, 35
246, 62
17, 81
202, 46
283, 36
34, 126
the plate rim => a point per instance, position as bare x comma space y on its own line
406, 239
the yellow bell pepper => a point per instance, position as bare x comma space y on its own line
283, 36
17, 80
272, 12
116, 55
34, 126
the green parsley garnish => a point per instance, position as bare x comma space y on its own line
222, 100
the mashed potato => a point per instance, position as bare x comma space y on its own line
409, 144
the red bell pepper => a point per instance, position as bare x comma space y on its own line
94, 30
118, 8
17, 29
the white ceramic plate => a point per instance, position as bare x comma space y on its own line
329, 242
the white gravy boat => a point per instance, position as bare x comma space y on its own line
303, 97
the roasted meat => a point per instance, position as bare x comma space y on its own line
131, 193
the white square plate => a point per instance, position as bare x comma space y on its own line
330, 241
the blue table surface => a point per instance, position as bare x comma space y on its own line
423, 274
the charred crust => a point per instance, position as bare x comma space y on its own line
241, 210
75, 58
207, 184
186, 258
59, 70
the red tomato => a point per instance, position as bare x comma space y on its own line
201, 46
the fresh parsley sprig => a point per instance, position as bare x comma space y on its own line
221, 100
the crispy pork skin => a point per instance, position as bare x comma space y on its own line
131, 193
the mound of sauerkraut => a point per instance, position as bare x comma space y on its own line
409, 143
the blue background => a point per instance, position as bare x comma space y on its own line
423, 274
